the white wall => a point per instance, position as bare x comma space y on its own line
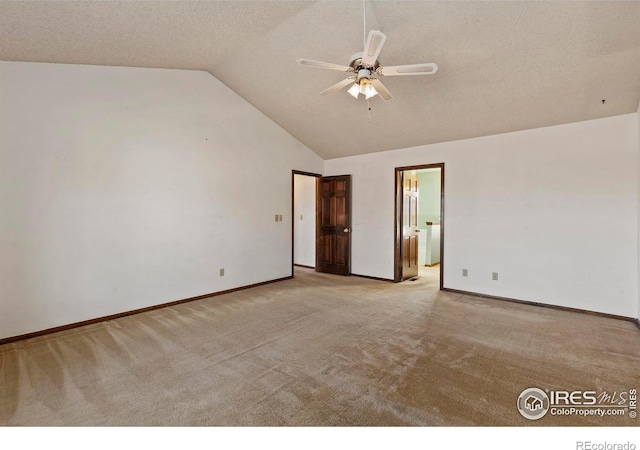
304, 218
432, 234
638, 131
429, 196
554, 211
122, 188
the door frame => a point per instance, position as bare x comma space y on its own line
398, 198
293, 218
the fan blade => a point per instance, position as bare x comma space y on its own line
372, 48
339, 85
381, 89
409, 69
324, 65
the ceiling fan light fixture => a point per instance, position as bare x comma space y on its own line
368, 90
354, 90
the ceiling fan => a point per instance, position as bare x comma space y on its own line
366, 66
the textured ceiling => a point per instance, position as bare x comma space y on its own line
504, 66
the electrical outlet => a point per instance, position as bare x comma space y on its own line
494, 276
465, 273
221, 272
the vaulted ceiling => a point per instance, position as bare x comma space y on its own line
503, 66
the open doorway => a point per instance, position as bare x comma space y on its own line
303, 219
419, 222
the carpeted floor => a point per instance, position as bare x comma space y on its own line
319, 350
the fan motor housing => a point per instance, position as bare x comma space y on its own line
356, 63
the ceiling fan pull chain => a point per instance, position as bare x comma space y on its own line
369, 110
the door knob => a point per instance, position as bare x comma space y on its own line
417, 230
346, 230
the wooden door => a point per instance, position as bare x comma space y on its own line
333, 225
410, 228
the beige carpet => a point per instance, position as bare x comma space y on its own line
319, 350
